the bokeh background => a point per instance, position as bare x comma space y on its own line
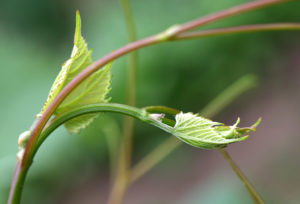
36, 38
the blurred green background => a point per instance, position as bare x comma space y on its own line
36, 38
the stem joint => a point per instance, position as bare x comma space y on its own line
169, 33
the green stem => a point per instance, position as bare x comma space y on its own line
256, 197
140, 114
21, 172
121, 179
93, 108
161, 109
56, 122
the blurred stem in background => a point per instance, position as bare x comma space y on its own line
255, 196
121, 179
227, 96
112, 134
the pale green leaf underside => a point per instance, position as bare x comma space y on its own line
203, 133
92, 90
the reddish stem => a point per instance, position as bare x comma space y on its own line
227, 13
238, 29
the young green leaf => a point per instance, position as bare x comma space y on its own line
93, 90
203, 133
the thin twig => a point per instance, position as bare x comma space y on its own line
227, 13
256, 197
153, 158
239, 29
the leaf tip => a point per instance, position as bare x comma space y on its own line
78, 27
257, 122
237, 122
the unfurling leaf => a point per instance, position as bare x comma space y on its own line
203, 133
92, 90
